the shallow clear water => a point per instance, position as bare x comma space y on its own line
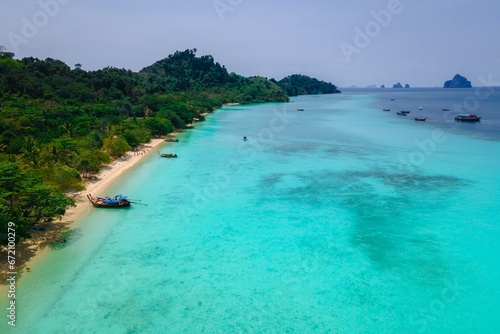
341, 218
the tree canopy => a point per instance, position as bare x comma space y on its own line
298, 84
58, 124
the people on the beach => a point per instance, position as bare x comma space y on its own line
55, 241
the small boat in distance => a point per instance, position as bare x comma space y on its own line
245, 138
300, 109
403, 113
420, 119
393, 99
467, 118
445, 109
167, 155
387, 109
420, 108
117, 201
171, 140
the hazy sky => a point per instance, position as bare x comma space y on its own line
420, 42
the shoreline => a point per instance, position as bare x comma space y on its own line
29, 251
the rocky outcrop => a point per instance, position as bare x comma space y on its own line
458, 81
399, 85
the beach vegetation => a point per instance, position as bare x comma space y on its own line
116, 146
26, 200
59, 125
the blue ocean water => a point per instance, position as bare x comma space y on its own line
341, 218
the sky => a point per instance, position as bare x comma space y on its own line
422, 43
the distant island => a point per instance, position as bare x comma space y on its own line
458, 81
298, 84
399, 85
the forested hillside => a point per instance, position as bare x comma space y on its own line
298, 84
59, 124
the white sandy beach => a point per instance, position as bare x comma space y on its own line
28, 251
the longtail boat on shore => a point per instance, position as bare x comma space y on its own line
171, 140
117, 201
167, 155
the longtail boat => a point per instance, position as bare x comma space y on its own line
171, 140
117, 201
420, 119
167, 155
467, 118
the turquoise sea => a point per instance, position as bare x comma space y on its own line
342, 218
